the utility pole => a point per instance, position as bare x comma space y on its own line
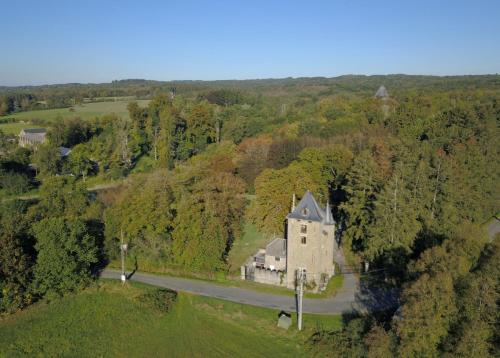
301, 277
123, 250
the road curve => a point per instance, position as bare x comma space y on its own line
346, 300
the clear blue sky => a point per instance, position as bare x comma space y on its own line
98, 41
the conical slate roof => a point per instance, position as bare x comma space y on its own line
382, 92
329, 217
309, 209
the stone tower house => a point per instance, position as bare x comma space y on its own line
310, 242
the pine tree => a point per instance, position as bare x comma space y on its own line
363, 184
395, 225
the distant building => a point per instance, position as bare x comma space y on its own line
32, 137
64, 152
382, 92
309, 245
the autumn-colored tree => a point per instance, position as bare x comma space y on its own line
428, 309
274, 190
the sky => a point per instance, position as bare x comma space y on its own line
46, 42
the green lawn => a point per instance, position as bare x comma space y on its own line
109, 321
244, 247
15, 128
84, 111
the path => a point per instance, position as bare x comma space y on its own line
348, 299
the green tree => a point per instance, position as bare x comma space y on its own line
395, 224
79, 161
15, 257
143, 213
61, 196
47, 159
274, 190
66, 255
208, 219
428, 310
363, 184
379, 343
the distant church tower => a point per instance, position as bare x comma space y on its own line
310, 241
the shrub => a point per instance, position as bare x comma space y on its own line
160, 300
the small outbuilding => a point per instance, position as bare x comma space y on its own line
284, 320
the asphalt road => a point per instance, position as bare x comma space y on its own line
349, 298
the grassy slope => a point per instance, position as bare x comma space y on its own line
108, 321
246, 246
84, 111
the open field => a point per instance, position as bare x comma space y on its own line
15, 128
84, 111
108, 320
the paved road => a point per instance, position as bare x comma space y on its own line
348, 299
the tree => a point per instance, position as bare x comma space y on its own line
143, 213
61, 196
327, 166
207, 222
475, 333
274, 190
66, 255
79, 161
201, 127
363, 184
47, 159
379, 343
15, 257
395, 223
428, 310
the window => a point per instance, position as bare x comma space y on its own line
303, 240
305, 212
303, 229
277, 258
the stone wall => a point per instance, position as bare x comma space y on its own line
250, 272
269, 277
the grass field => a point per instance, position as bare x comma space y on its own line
84, 111
244, 247
15, 128
108, 320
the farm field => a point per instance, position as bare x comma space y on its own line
15, 128
108, 320
84, 111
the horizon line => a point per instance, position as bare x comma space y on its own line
249, 79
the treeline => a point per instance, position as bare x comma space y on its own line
22, 98
187, 217
49, 248
449, 307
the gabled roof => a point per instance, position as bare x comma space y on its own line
277, 247
35, 130
309, 209
382, 92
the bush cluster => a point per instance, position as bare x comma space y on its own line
160, 300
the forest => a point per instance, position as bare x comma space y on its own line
412, 178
